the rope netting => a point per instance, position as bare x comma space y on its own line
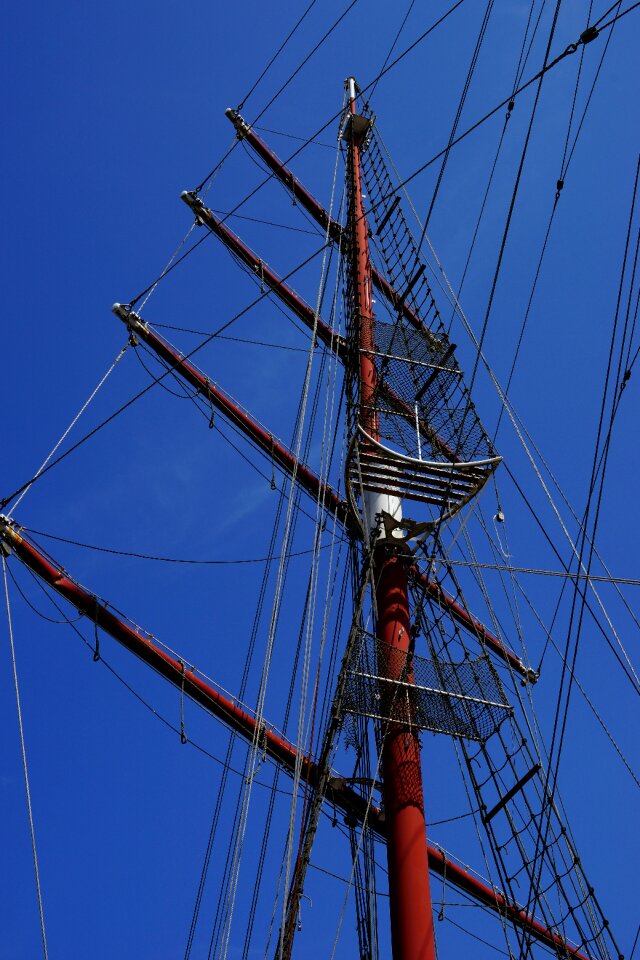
537, 868
461, 699
417, 367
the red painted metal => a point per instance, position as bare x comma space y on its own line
315, 209
300, 309
473, 626
227, 710
407, 853
239, 417
271, 279
412, 933
305, 477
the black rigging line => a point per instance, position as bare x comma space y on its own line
514, 195
579, 596
456, 121
247, 340
557, 553
170, 370
317, 232
393, 45
619, 16
564, 169
337, 115
171, 267
575, 98
304, 62
160, 559
67, 621
411, 47
276, 54
292, 136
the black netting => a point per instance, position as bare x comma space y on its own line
538, 869
418, 376
461, 699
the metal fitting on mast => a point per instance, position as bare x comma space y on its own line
241, 125
131, 320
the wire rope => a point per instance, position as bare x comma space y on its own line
567, 575
275, 56
44, 465
186, 560
463, 97
393, 45
275, 611
579, 599
520, 432
25, 769
306, 60
125, 406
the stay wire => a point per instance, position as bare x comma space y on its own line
619, 16
156, 380
43, 467
589, 702
337, 115
185, 560
575, 98
463, 97
579, 598
246, 340
513, 199
306, 60
536, 517
567, 575
564, 169
393, 45
25, 769
275, 56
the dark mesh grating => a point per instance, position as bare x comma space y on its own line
461, 699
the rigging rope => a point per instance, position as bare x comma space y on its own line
43, 467
23, 750
567, 575
275, 56
169, 370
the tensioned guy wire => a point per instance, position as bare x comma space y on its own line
66, 433
24, 762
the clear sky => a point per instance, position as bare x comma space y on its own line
110, 111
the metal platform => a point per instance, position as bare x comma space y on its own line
460, 699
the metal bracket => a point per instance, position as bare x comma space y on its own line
402, 531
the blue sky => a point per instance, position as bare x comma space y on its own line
109, 113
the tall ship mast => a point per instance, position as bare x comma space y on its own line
365, 676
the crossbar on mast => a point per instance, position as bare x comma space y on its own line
311, 483
315, 209
239, 417
302, 310
242, 722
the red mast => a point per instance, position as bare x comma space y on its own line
412, 930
